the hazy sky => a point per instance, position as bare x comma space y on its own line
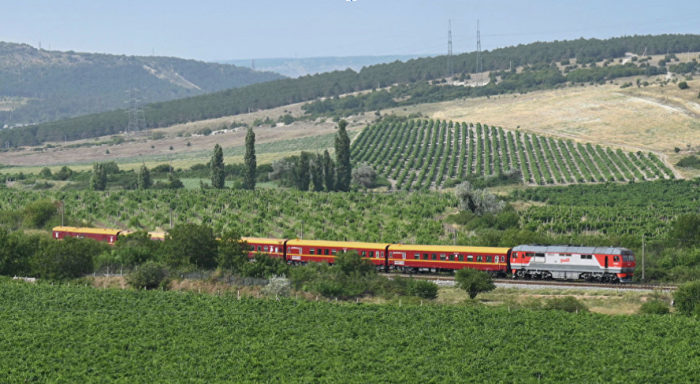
233, 29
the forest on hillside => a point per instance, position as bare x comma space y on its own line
416, 74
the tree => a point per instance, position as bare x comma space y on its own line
364, 176
328, 172
38, 213
265, 266
174, 182
233, 252
342, 155
683, 85
45, 173
217, 168
250, 161
64, 173
190, 245
301, 172
16, 251
352, 264
474, 281
98, 180
478, 201
144, 179
317, 173
150, 275
684, 230
67, 259
687, 298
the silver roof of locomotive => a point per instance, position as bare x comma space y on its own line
571, 249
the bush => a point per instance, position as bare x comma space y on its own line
278, 286
474, 281
655, 307
67, 259
264, 266
683, 85
149, 275
567, 304
38, 213
423, 289
687, 298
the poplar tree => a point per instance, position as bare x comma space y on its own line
328, 172
217, 168
301, 172
342, 155
98, 181
317, 173
250, 161
144, 180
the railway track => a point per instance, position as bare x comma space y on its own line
582, 284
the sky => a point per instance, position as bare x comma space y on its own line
213, 30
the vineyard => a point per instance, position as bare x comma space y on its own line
78, 334
424, 154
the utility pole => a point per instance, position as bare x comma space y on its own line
449, 48
643, 246
137, 117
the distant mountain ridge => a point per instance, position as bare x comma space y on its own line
38, 85
293, 67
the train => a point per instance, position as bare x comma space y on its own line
556, 262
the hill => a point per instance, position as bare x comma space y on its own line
293, 67
40, 85
538, 58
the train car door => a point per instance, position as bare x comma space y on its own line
399, 255
606, 262
295, 253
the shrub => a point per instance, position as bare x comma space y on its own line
278, 286
655, 307
149, 275
423, 289
683, 85
38, 213
687, 298
264, 266
67, 259
567, 304
474, 281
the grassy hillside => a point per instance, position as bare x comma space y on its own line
57, 85
537, 56
421, 154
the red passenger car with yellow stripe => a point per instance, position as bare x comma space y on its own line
109, 236
435, 258
300, 252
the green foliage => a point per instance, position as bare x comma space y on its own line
302, 174
98, 180
250, 161
144, 179
342, 155
149, 275
687, 298
423, 289
566, 304
218, 178
474, 281
683, 85
16, 252
38, 213
67, 259
232, 253
189, 245
655, 307
691, 161
264, 266
684, 230
45, 173
328, 172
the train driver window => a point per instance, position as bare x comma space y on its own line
311, 251
470, 258
480, 258
489, 259
416, 256
325, 251
616, 259
425, 256
461, 257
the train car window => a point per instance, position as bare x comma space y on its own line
382, 254
530, 254
371, 253
425, 256
443, 257
539, 254
416, 256
266, 248
334, 252
470, 258
325, 252
489, 259
434, 256
252, 248
311, 251
452, 257
503, 259
461, 257
364, 254
259, 248
480, 259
